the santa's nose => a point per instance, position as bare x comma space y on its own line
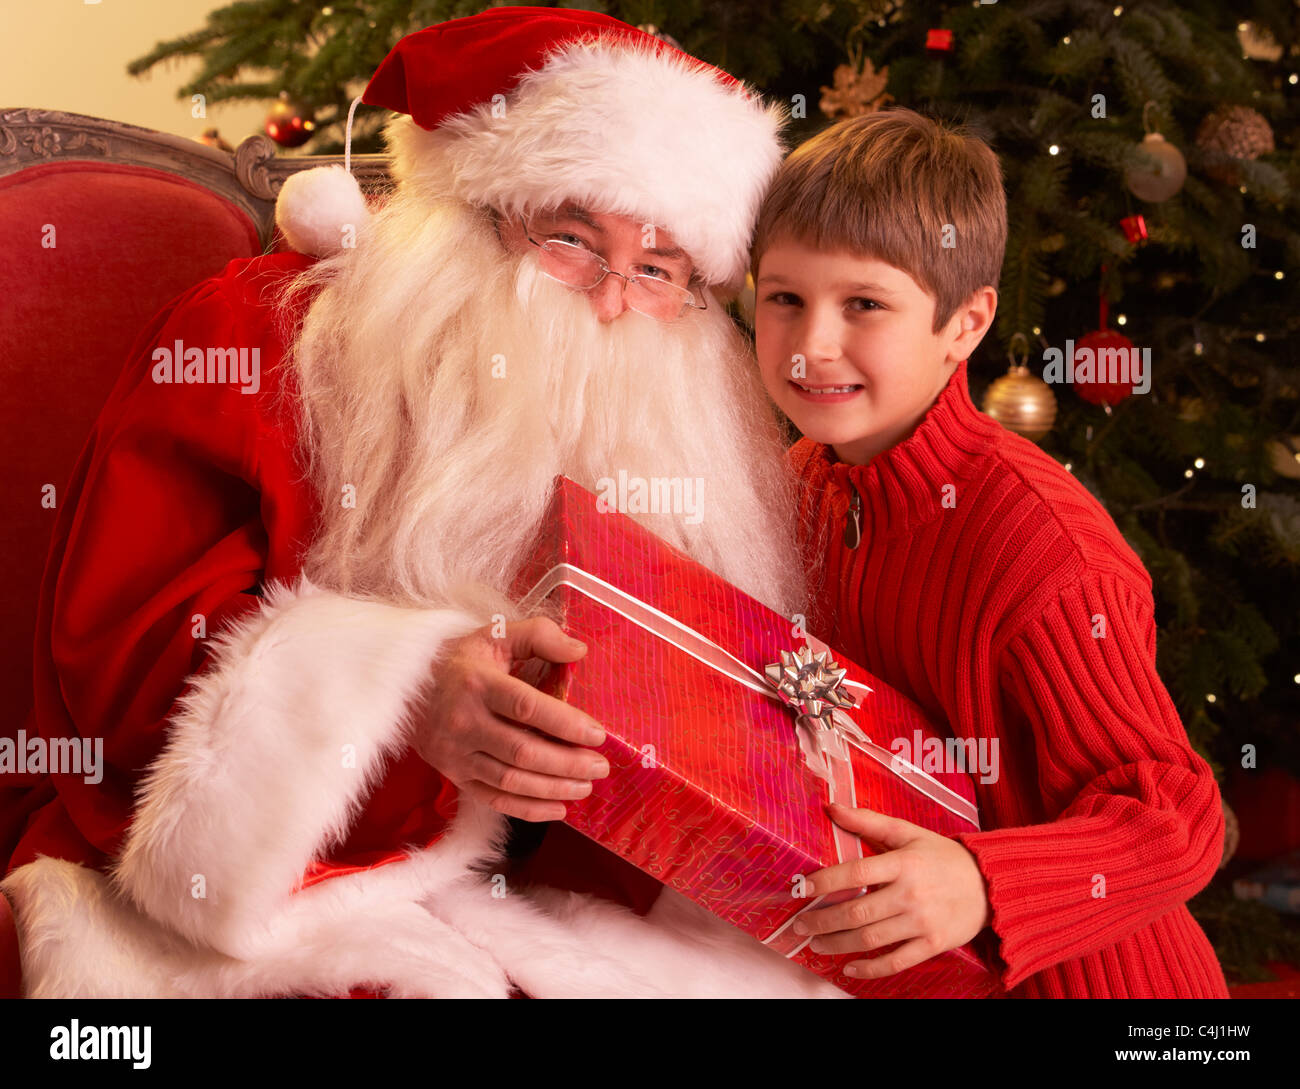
607, 298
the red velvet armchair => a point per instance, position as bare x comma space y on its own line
101, 224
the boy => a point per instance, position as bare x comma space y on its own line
965, 567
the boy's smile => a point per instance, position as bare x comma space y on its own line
846, 347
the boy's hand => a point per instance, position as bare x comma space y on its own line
932, 896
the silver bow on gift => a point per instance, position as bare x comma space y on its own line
811, 684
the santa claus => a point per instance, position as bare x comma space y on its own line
284, 605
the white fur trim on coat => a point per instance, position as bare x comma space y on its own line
270, 759
266, 765
620, 130
252, 785
557, 944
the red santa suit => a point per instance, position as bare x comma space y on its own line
186, 504
261, 826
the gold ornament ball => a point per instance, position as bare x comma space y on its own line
1284, 456
1231, 833
745, 301
1022, 402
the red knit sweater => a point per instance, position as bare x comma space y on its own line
982, 603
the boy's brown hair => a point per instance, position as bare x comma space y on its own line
884, 186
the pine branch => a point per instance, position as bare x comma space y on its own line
187, 46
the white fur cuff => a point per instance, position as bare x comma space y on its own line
278, 743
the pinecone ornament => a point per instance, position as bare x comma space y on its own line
1230, 134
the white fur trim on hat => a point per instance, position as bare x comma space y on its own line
621, 131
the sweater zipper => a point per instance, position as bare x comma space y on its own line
853, 519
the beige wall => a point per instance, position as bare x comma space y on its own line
71, 55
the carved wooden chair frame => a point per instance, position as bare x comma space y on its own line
250, 178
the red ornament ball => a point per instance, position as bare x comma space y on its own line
289, 123
1100, 390
1267, 803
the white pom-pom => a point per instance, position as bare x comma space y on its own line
321, 211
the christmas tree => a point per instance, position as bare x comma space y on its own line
1149, 150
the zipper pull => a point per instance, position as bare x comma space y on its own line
853, 519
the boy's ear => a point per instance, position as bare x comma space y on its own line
976, 319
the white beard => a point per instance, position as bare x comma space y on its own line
448, 382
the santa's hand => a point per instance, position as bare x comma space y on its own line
501, 740
931, 897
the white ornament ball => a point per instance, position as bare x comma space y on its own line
1156, 169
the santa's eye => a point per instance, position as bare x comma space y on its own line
655, 272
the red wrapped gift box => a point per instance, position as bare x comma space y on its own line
713, 789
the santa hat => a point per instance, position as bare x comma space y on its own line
520, 109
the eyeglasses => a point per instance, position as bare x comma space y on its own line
576, 266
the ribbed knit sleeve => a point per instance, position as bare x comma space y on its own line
1136, 825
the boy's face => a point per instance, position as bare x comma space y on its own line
857, 333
